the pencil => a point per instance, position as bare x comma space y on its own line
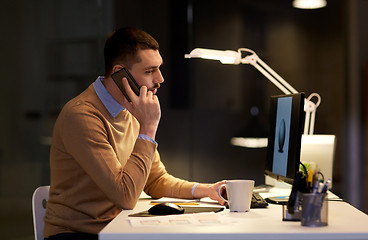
184, 203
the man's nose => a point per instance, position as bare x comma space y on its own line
159, 78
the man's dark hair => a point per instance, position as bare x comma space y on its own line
122, 46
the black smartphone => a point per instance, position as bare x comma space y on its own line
118, 79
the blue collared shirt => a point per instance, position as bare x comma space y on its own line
112, 106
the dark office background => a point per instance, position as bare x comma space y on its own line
52, 50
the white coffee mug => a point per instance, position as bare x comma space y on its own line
239, 194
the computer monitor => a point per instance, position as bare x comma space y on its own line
284, 140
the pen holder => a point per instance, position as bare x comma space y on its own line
314, 210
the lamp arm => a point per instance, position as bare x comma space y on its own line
271, 78
309, 106
306, 121
233, 57
266, 70
278, 77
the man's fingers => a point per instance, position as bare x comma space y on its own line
143, 91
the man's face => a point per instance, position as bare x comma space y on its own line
147, 71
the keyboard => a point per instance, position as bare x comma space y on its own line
258, 201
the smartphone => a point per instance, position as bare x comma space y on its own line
118, 79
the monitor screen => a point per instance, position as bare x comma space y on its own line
284, 140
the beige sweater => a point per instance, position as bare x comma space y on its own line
99, 167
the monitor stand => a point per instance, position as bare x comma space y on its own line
282, 200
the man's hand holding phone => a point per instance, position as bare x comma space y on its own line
145, 108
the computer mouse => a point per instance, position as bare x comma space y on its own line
165, 208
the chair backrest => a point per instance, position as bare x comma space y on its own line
39, 201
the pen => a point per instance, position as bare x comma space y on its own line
178, 203
315, 182
325, 186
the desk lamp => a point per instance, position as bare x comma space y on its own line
315, 148
235, 57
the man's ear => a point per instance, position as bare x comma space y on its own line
116, 68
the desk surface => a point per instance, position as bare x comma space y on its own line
344, 222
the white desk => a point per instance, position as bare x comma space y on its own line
344, 222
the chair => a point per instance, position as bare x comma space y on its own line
39, 200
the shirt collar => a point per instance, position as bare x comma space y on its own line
107, 100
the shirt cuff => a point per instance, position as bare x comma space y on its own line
193, 188
145, 137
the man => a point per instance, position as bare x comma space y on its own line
104, 152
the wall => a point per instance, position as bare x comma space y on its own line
51, 50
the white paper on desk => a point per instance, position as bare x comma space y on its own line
198, 219
208, 200
195, 219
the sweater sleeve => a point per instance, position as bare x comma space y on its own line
86, 139
161, 184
